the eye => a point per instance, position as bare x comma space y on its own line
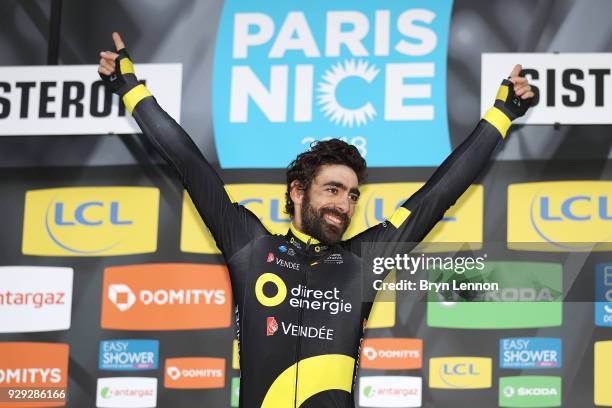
354, 197
333, 190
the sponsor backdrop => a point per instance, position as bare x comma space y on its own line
111, 288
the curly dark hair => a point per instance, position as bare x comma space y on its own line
305, 166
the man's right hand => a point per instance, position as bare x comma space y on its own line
116, 68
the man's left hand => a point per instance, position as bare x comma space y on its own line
521, 84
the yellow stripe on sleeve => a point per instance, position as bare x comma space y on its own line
498, 119
502, 93
126, 66
399, 216
134, 96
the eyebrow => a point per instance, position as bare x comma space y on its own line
340, 185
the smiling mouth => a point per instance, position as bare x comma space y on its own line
334, 220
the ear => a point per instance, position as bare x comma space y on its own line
296, 192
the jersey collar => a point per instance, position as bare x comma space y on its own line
304, 241
305, 238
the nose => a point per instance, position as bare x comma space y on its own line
343, 205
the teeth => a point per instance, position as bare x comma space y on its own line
333, 219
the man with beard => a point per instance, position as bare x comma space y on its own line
322, 185
301, 298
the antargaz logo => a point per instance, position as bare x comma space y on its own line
35, 298
90, 221
372, 73
390, 391
119, 392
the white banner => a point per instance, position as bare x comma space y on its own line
73, 100
570, 88
35, 299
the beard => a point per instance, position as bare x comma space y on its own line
314, 224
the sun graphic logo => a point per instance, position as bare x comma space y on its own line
328, 102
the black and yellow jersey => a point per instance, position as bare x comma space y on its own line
301, 305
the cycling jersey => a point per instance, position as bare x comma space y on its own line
300, 304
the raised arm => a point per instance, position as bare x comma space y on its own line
232, 225
419, 214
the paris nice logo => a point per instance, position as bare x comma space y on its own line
300, 71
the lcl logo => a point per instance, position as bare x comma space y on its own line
459, 369
591, 207
92, 213
91, 221
460, 372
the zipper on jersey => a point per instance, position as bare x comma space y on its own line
300, 319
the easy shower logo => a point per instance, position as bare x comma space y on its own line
128, 355
527, 353
372, 73
603, 295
